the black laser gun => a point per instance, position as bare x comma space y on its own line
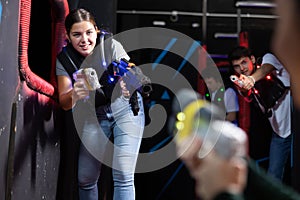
134, 78
132, 75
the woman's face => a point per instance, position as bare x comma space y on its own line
83, 37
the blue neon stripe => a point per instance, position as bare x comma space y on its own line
159, 144
165, 95
190, 52
0, 11
170, 180
163, 54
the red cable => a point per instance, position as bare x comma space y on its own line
33, 81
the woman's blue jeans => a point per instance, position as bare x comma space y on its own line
121, 155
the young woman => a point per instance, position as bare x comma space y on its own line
114, 117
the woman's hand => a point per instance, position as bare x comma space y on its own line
80, 90
124, 90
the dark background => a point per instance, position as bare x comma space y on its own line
37, 140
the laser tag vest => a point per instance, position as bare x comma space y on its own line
267, 92
72, 61
218, 98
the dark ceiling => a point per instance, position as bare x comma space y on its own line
222, 18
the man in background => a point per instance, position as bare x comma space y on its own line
221, 95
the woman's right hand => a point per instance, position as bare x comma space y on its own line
124, 90
80, 90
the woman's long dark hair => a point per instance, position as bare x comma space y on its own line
79, 15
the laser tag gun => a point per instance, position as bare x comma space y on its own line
134, 78
89, 76
266, 92
132, 75
193, 116
236, 81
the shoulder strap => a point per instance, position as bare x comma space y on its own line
69, 62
